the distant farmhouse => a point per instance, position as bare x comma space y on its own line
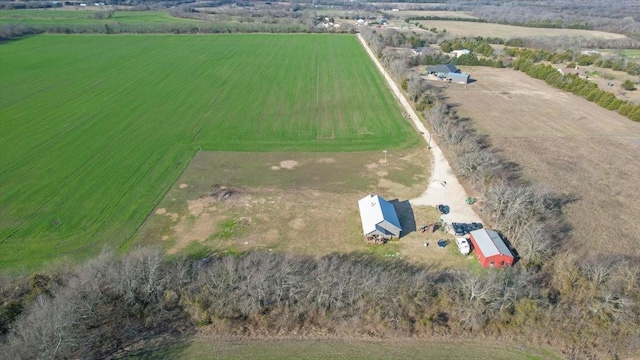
424, 50
448, 72
379, 219
574, 71
458, 53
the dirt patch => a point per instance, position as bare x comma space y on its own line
199, 231
372, 166
326, 160
183, 186
297, 224
161, 211
288, 164
275, 167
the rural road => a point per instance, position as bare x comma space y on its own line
444, 187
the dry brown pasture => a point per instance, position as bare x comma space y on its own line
436, 13
567, 144
302, 203
465, 28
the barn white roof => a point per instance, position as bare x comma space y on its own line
374, 210
490, 243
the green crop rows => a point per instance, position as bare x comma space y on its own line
66, 17
94, 129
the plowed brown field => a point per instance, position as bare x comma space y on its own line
567, 144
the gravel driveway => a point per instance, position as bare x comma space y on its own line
444, 187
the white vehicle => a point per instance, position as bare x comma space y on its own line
463, 245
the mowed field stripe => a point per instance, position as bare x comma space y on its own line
95, 129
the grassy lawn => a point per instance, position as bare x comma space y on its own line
307, 208
83, 17
204, 347
95, 129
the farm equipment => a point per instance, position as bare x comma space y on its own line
431, 227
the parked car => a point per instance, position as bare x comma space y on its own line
463, 245
444, 209
458, 229
462, 229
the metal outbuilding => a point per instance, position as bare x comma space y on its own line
460, 78
379, 219
490, 248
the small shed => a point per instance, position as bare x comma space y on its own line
379, 219
490, 248
460, 78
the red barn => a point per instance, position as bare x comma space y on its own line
490, 249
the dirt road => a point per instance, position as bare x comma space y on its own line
444, 187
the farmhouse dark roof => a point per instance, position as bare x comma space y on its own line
447, 68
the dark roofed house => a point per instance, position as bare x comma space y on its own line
424, 50
442, 71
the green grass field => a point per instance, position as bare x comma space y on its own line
94, 129
84, 17
203, 347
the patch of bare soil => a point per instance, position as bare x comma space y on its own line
183, 186
288, 164
203, 219
326, 160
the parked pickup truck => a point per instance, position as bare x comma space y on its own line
463, 245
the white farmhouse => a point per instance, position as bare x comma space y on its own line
379, 219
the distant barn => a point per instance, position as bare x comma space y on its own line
490, 248
379, 219
460, 78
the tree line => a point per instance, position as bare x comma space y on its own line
117, 306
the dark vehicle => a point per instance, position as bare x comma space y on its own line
444, 209
475, 226
442, 243
461, 229
458, 229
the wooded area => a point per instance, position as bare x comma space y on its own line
116, 306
